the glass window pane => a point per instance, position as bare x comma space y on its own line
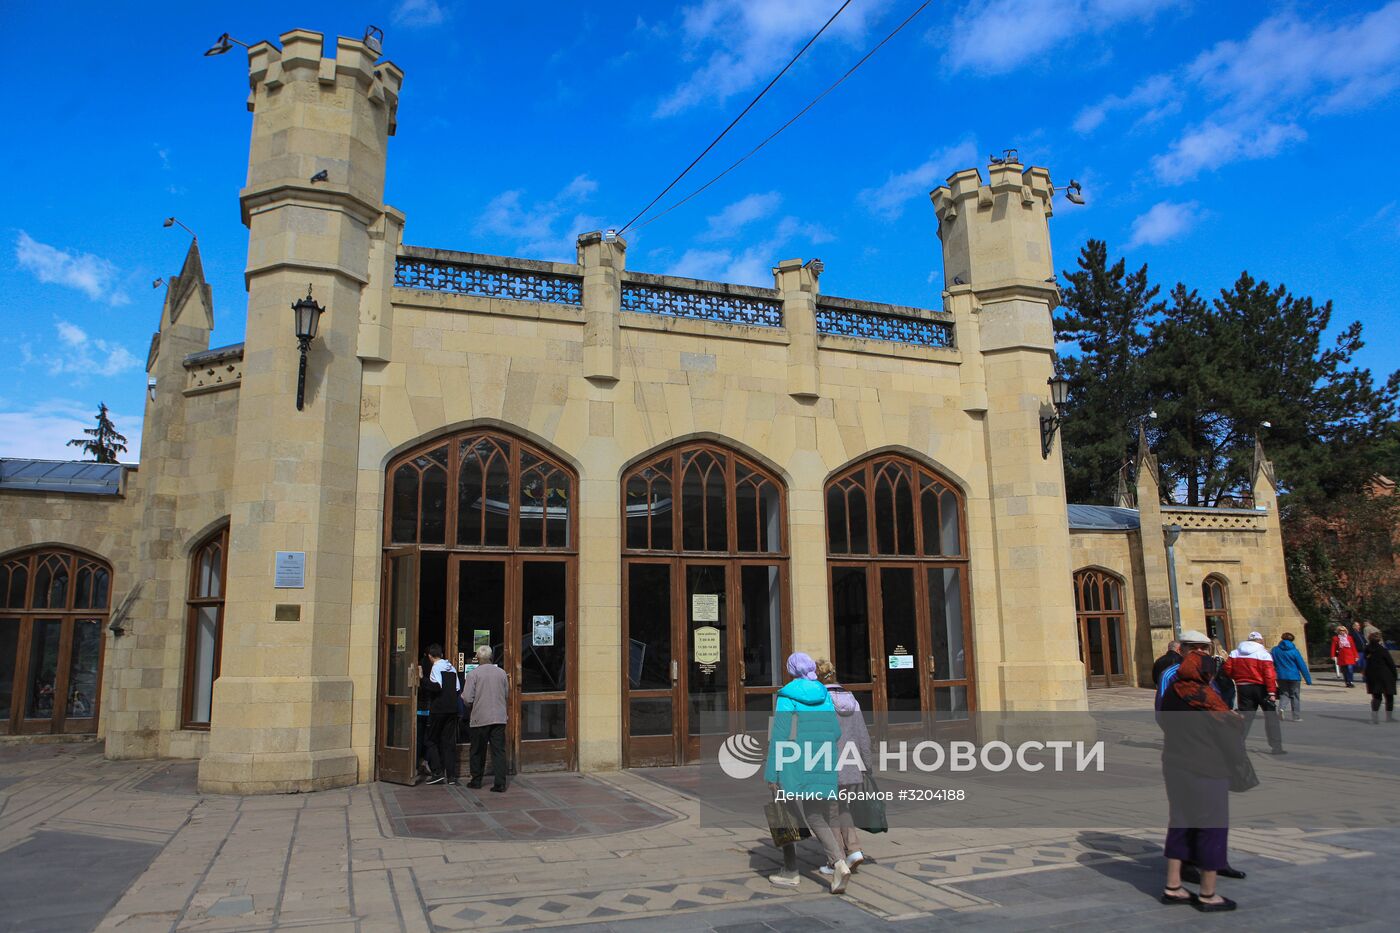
481, 608
746, 516
716, 510
951, 544
900, 624
15, 577
650, 716
1115, 646
210, 584
649, 627
397, 719
859, 521
946, 618
544, 627
206, 640
101, 588
758, 703
433, 518
51, 583
9, 661
471, 492
637, 505
707, 652
498, 500
82, 669
763, 633
928, 515
850, 615
543, 719
43, 668
558, 505
1095, 632
82, 588
838, 541
533, 491
950, 703
663, 508
404, 524
402, 572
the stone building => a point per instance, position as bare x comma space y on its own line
642, 491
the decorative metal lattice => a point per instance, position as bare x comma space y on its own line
896, 328
703, 306
488, 281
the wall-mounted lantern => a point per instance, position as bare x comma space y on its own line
308, 315
1059, 394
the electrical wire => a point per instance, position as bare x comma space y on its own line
816, 100
736, 120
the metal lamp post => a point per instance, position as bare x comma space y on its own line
307, 316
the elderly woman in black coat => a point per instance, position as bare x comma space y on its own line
1380, 678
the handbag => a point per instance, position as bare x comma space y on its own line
1242, 775
868, 810
783, 824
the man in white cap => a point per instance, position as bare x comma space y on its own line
1251, 667
1178, 649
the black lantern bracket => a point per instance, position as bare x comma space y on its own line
307, 318
1049, 424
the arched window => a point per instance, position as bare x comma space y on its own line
1215, 594
204, 639
901, 631
1098, 605
481, 550
706, 598
53, 608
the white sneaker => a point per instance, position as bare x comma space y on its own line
827, 870
841, 875
854, 859
785, 881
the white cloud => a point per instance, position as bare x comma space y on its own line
1211, 145
1163, 222
81, 356
1158, 96
745, 42
415, 13
730, 221
1002, 35
546, 229
43, 430
92, 275
890, 199
752, 264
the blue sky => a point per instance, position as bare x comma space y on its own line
1210, 138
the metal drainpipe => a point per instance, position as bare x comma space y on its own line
1171, 533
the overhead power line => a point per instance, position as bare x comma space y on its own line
774, 135
736, 120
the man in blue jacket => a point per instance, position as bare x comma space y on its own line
1292, 670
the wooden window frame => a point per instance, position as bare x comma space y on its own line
864, 474
1223, 612
67, 615
1102, 616
193, 603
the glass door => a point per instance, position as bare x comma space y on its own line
482, 611
652, 673
761, 649
399, 674
709, 654
542, 639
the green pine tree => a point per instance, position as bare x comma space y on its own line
1102, 327
103, 442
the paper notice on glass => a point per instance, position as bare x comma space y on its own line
704, 607
481, 638
707, 645
542, 632
901, 662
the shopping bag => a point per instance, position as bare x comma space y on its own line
867, 810
783, 824
1242, 775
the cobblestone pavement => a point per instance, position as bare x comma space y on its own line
87, 844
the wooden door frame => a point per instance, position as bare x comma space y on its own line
650, 693
381, 716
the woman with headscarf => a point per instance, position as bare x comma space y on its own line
1344, 653
804, 716
1202, 740
854, 758
1380, 677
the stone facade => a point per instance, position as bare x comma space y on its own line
599, 366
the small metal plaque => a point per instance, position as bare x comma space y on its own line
286, 612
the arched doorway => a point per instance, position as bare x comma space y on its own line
705, 599
53, 608
1098, 607
1215, 594
481, 548
901, 631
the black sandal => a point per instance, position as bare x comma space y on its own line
1204, 907
1166, 898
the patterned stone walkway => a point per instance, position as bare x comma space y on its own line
87, 843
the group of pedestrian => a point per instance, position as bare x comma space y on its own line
816, 711
481, 697
1362, 648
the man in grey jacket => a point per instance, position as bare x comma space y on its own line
486, 691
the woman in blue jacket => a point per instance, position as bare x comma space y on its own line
1291, 669
803, 714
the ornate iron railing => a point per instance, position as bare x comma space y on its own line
488, 281
722, 307
876, 325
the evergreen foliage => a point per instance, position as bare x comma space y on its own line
103, 442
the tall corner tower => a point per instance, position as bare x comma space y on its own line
284, 701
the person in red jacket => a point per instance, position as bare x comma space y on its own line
1344, 653
1251, 667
